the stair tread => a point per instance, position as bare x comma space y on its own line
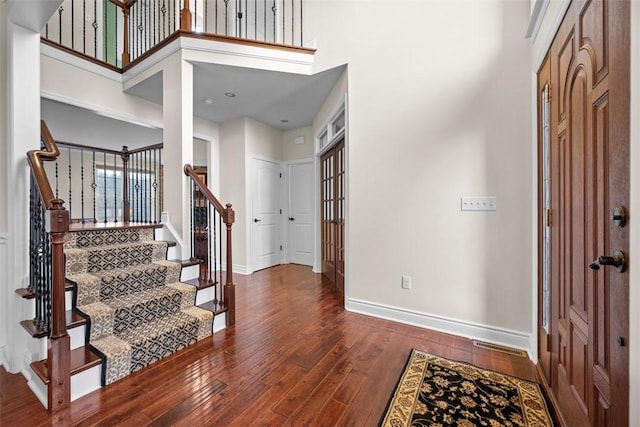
187, 262
216, 308
81, 359
199, 284
73, 320
26, 293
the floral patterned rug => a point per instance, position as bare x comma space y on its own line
434, 391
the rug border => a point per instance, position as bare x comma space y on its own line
395, 388
413, 351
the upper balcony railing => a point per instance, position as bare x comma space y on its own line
118, 32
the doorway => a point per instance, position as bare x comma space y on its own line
300, 221
266, 240
332, 199
585, 362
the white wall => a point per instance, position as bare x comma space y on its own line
432, 117
291, 150
233, 184
3, 186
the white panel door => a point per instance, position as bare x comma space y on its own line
265, 229
300, 221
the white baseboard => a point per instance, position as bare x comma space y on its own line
245, 270
500, 336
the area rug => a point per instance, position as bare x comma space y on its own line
434, 391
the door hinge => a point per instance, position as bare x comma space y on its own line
549, 217
280, 247
280, 174
280, 211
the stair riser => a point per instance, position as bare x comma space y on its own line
90, 239
79, 261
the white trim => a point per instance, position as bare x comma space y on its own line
537, 15
245, 270
189, 45
112, 114
544, 48
83, 64
492, 334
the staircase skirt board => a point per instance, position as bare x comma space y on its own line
136, 309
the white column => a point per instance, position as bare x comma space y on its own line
177, 111
23, 134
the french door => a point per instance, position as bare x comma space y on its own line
332, 193
587, 366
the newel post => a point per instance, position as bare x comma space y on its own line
229, 288
185, 17
126, 58
58, 348
124, 155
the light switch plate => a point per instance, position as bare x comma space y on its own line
478, 203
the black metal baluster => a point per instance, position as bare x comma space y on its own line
73, 23
115, 189
70, 184
172, 26
46, 31
145, 188
193, 220
273, 9
94, 186
57, 179
161, 178
104, 180
220, 282
82, 184
226, 17
60, 10
48, 276
94, 24
84, 26
138, 202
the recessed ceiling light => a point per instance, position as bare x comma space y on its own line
230, 94
208, 101
284, 121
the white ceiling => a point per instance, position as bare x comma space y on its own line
266, 96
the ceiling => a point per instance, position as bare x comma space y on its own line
282, 101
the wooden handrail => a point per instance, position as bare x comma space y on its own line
35, 159
228, 216
188, 170
57, 224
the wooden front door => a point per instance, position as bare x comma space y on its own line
332, 194
589, 174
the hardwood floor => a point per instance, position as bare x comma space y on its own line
295, 357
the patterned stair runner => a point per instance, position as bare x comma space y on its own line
138, 310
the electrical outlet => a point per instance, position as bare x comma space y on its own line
406, 282
486, 203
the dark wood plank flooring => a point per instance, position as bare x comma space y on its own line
295, 357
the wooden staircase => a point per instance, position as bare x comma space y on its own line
142, 305
83, 360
